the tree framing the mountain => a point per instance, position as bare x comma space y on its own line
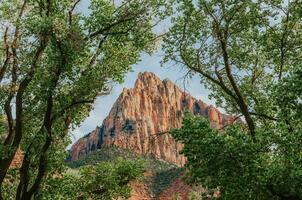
248, 53
54, 63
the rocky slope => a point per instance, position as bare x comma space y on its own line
141, 116
18, 159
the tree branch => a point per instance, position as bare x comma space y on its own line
240, 100
70, 13
283, 41
234, 120
73, 104
109, 27
264, 116
10, 121
5, 162
47, 124
6, 62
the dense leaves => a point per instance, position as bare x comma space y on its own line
160, 173
229, 160
54, 62
240, 49
105, 181
248, 53
240, 168
110, 180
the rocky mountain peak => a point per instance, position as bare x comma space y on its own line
140, 117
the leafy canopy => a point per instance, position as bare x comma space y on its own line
105, 180
248, 54
54, 62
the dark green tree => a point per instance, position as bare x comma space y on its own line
248, 54
54, 62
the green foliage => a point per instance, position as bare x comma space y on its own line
162, 179
228, 160
248, 54
55, 61
105, 181
106, 154
241, 168
110, 180
176, 197
65, 186
11, 184
261, 40
288, 95
163, 173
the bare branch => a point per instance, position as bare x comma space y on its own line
70, 13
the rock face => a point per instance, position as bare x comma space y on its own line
18, 159
141, 116
86, 144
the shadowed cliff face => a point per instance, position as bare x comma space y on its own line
141, 116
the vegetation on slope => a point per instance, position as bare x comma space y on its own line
162, 174
104, 181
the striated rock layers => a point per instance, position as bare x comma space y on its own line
141, 116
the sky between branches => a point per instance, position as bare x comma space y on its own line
149, 63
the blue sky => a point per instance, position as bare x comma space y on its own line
149, 63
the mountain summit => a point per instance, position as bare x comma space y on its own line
141, 116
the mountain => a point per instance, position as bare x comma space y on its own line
141, 116
18, 159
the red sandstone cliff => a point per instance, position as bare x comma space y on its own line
18, 159
140, 117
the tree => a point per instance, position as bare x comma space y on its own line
248, 53
240, 49
105, 180
54, 63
